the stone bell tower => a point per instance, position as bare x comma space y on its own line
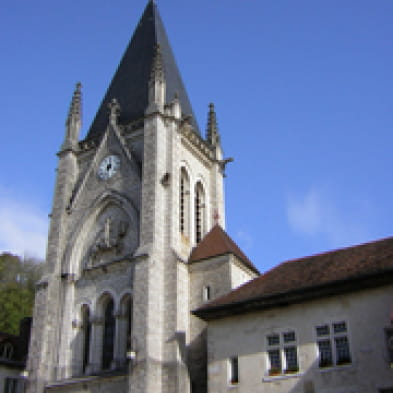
131, 201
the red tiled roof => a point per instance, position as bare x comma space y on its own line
217, 242
310, 273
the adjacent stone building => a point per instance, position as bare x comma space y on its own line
137, 242
321, 324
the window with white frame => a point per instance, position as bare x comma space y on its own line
233, 368
333, 344
282, 353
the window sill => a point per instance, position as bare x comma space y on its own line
335, 368
278, 377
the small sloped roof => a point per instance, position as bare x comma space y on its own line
345, 269
130, 82
217, 242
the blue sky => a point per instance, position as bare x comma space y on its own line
303, 93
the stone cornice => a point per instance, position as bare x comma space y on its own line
197, 141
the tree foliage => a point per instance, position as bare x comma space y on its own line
18, 277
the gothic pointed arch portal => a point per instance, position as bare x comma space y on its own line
109, 231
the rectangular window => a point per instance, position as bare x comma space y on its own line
282, 353
290, 355
274, 339
333, 344
325, 353
206, 294
234, 370
275, 362
13, 385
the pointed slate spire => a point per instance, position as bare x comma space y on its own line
74, 119
130, 83
212, 134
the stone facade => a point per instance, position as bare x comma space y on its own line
116, 241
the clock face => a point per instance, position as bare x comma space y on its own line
108, 167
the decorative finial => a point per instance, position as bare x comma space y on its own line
75, 106
212, 134
74, 120
157, 69
114, 111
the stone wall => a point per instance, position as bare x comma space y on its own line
366, 314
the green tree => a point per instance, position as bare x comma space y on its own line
18, 277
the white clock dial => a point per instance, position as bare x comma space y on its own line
108, 167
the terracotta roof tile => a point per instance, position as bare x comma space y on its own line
217, 242
315, 271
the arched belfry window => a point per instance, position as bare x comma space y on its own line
109, 334
129, 323
199, 212
184, 213
86, 336
125, 330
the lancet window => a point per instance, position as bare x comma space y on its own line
109, 334
126, 326
199, 212
184, 203
86, 337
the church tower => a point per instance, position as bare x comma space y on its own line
131, 201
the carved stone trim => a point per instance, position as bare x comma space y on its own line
189, 134
110, 239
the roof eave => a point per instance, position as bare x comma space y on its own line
332, 288
248, 265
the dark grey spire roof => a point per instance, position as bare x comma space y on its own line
130, 82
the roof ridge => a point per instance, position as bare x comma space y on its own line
218, 242
336, 250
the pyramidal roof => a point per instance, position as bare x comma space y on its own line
130, 82
217, 242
